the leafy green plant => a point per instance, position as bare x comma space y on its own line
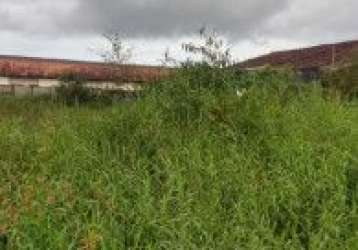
344, 79
73, 90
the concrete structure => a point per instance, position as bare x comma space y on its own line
27, 75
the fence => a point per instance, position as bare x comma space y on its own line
18, 90
34, 91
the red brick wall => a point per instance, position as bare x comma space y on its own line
21, 67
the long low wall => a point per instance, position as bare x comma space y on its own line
47, 83
37, 87
4, 81
12, 90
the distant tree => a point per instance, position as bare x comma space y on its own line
168, 60
212, 47
115, 51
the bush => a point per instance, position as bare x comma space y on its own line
73, 90
343, 80
202, 75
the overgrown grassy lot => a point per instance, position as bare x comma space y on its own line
186, 166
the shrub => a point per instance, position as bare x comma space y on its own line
73, 90
343, 80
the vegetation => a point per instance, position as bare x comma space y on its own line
212, 47
344, 79
73, 90
114, 50
189, 165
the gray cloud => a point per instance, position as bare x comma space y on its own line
293, 19
143, 18
328, 20
34, 17
137, 18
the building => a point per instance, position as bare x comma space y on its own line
306, 61
36, 76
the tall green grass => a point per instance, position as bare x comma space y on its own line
189, 165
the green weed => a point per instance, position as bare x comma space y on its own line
187, 166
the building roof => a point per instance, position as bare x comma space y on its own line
317, 56
32, 67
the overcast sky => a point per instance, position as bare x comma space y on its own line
69, 28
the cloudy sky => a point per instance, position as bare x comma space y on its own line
70, 28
